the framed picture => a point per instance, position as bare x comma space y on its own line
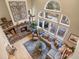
18, 10
73, 38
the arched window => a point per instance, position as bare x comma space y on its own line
53, 5
65, 20
52, 21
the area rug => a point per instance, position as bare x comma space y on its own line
31, 48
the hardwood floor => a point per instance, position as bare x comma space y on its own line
21, 52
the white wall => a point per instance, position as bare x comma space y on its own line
29, 3
70, 8
3, 10
3, 44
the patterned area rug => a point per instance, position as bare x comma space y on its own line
37, 49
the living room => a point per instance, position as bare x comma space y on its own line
32, 29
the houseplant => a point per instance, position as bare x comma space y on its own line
33, 25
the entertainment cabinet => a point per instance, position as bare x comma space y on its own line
16, 32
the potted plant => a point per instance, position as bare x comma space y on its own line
33, 25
